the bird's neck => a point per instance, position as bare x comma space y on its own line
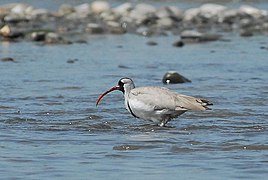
127, 90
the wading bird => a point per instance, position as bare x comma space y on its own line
156, 104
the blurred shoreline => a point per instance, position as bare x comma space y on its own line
205, 22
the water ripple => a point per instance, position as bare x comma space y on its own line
128, 147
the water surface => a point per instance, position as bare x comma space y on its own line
50, 127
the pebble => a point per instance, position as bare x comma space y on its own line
94, 28
65, 9
144, 31
123, 9
82, 10
142, 13
108, 16
211, 10
115, 27
252, 11
5, 31
54, 38
163, 12
173, 77
195, 36
97, 7
165, 23
144, 9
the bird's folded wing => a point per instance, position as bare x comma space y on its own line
163, 98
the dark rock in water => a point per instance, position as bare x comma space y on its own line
178, 43
38, 36
7, 59
263, 47
172, 77
151, 43
71, 61
119, 46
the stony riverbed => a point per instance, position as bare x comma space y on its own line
68, 24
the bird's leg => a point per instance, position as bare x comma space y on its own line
164, 122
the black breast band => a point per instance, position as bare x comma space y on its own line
131, 110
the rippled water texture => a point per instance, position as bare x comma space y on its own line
50, 127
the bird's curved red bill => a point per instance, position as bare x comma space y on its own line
102, 95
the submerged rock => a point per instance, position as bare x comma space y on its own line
152, 43
173, 77
7, 59
71, 61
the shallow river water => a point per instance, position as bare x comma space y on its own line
50, 127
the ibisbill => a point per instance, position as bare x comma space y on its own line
156, 104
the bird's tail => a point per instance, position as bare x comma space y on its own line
193, 103
205, 103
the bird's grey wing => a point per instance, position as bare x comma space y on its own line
157, 97
163, 98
